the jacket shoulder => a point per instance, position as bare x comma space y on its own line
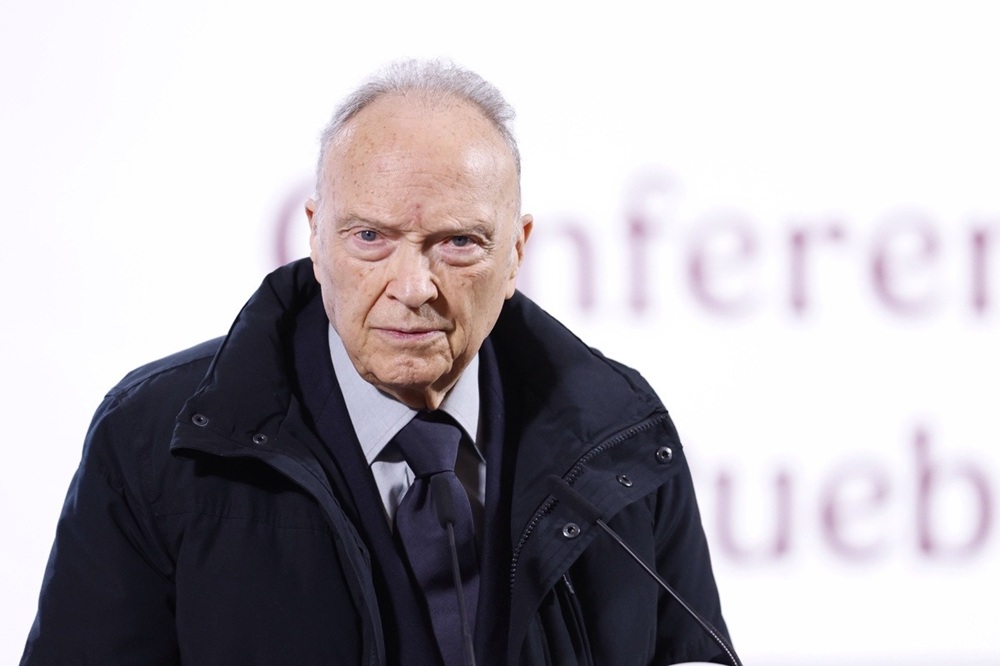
137, 415
194, 359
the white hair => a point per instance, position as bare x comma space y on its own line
441, 78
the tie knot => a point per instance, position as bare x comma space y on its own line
429, 443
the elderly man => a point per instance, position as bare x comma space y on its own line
290, 494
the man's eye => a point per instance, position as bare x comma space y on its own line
460, 241
367, 235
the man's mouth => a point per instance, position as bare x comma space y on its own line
409, 334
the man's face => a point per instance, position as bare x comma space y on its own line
416, 241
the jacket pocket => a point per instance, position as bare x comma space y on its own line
557, 636
572, 614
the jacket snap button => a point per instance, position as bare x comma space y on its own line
624, 480
664, 454
199, 420
571, 530
260, 438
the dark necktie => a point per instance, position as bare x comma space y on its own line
429, 444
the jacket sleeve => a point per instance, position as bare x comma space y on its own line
627, 617
107, 594
682, 559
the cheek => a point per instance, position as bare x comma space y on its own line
344, 290
482, 297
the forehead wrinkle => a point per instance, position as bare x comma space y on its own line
413, 149
405, 192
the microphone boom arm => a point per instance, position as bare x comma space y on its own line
564, 492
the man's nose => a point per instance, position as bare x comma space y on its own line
411, 281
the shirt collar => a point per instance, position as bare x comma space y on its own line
377, 417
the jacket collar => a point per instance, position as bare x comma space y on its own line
565, 388
571, 398
246, 393
564, 397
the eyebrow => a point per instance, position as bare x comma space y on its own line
351, 220
477, 228
473, 228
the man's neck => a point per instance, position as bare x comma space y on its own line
378, 416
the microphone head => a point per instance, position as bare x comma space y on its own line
563, 492
444, 502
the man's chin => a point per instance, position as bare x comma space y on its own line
422, 388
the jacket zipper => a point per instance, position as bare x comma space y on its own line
570, 477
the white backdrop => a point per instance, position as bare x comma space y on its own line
787, 215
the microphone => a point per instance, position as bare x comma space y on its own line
444, 506
586, 510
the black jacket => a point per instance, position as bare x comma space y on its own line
199, 529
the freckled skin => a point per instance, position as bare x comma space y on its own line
416, 241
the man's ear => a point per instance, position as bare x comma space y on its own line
526, 223
311, 207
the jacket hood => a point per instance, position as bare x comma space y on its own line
588, 399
